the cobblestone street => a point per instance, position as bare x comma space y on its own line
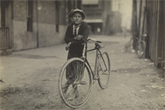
31, 80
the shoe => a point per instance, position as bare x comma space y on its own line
64, 89
73, 95
76, 93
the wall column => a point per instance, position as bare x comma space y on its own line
0, 13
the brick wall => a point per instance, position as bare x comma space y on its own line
43, 25
47, 12
19, 10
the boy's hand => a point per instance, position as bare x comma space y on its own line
78, 37
68, 46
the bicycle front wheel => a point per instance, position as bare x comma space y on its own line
103, 70
75, 82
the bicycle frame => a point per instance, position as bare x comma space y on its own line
98, 52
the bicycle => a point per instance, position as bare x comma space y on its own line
141, 46
128, 47
84, 76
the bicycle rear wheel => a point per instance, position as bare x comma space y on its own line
141, 48
103, 70
75, 83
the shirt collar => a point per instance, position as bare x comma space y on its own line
74, 26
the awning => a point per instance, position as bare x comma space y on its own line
93, 20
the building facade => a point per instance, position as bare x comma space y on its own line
27, 24
100, 17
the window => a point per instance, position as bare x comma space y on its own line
3, 15
29, 16
90, 2
57, 28
57, 15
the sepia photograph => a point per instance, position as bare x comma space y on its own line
82, 54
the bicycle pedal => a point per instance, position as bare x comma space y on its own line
95, 77
104, 74
83, 82
94, 81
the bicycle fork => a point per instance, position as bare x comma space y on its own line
81, 74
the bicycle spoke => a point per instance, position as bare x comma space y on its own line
76, 83
103, 70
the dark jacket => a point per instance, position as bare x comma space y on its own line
76, 47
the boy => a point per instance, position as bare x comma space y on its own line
77, 33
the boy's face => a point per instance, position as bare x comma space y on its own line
77, 18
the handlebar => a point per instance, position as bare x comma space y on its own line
97, 41
89, 39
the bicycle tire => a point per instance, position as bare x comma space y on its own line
103, 71
141, 49
128, 47
81, 100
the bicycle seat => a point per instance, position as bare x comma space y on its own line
98, 41
99, 45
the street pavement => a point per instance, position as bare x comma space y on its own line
31, 80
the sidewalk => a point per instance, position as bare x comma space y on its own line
22, 64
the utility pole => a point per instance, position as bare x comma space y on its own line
134, 23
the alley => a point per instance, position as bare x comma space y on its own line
31, 80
